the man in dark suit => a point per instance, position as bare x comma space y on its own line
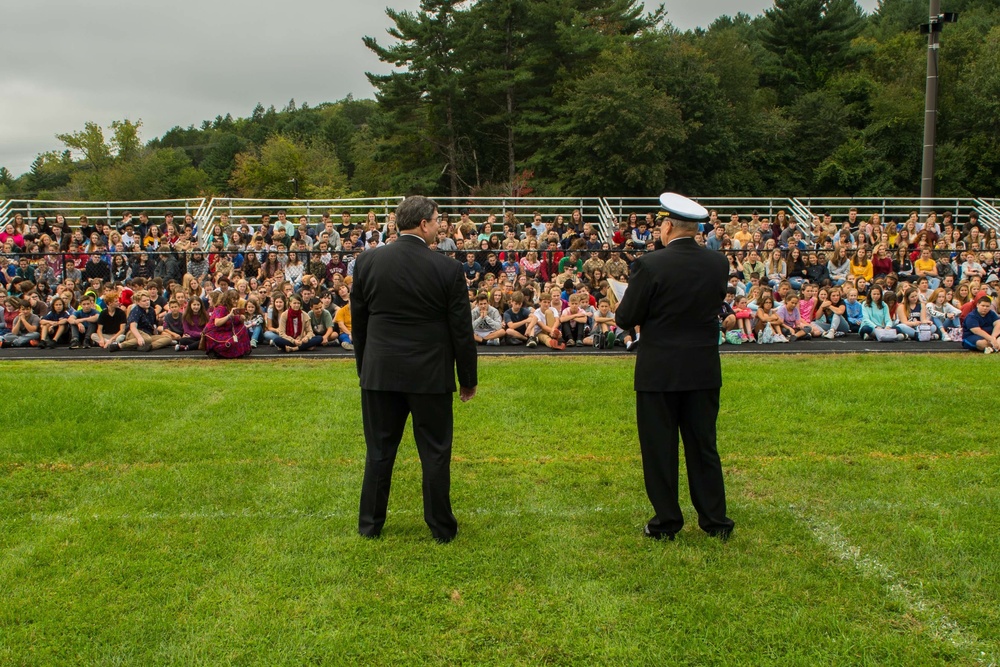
411, 328
674, 296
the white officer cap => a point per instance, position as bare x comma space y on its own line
679, 207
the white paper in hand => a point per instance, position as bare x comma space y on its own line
618, 287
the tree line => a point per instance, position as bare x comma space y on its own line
592, 97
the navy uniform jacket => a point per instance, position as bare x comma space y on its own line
410, 320
675, 296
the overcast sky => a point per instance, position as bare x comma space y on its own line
66, 62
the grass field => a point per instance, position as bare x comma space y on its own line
205, 513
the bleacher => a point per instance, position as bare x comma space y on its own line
604, 211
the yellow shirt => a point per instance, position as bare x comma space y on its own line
926, 265
867, 270
343, 317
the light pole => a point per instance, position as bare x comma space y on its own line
933, 31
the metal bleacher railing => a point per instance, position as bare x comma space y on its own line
898, 209
604, 211
479, 208
313, 209
989, 212
767, 207
523, 209
102, 211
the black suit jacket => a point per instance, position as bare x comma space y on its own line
675, 295
410, 320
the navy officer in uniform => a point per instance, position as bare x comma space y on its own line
674, 295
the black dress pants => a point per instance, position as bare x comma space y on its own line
384, 415
660, 417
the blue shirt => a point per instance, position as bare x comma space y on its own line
876, 316
471, 271
516, 315
145, 320
854, 312
984, 322
83, 314
53, 316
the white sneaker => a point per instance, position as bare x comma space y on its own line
829, 334
900, 337
988, 350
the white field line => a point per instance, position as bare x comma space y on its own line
941, 626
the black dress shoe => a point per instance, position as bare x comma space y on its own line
373, 536
657, 535
444, 540
722, 535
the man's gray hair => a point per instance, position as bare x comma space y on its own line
412, 210
686, 226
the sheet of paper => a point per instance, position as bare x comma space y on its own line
618, 287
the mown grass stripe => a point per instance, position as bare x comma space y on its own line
733, 458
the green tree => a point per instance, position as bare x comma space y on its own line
979, 89
811, 40
524, 53
497, 73
892, 17
220, 158
90, 142
821, 126
854, 169
125, 142
267, 173
6, 178
978, 121
164, 173
619, 129
191, 140
895, 122
49, 174
430, 44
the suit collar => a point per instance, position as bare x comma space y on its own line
411, 238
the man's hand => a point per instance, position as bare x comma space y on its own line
466, 393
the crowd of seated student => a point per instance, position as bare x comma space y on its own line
543, 282
877, 279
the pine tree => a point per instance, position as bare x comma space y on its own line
811, 40
430, 47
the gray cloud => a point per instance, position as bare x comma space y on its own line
67, 62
